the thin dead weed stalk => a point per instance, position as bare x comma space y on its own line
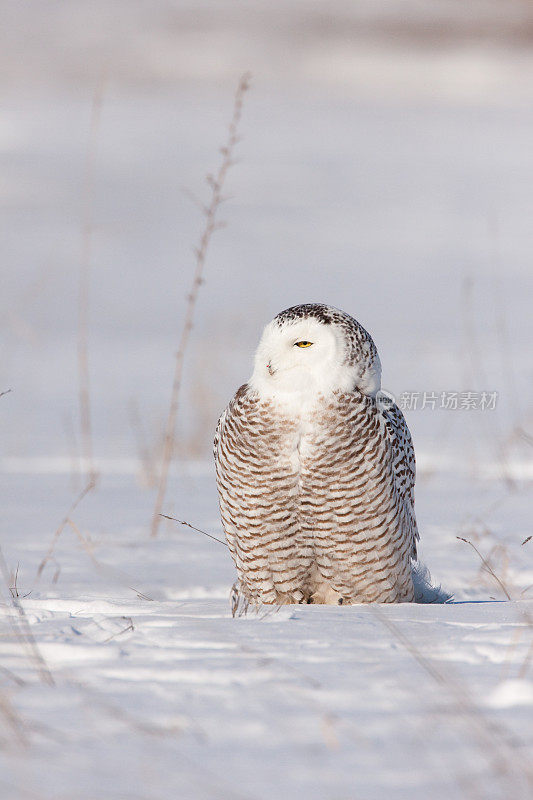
84, 284
507, 763
216, 184
50, 552
22, 628
486, 566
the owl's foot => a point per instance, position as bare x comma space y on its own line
326, 595
290, 598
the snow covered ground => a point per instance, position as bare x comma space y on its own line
386, 167
157, 692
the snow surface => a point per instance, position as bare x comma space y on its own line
386, 167
159, 693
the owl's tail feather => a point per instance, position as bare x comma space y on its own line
425, 592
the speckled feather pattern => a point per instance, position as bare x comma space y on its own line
330, 494
318, 506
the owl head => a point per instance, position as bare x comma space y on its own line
314, 349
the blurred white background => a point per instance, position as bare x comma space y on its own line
386, 167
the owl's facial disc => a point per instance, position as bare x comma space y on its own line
304, 356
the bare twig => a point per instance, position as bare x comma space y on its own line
487, 566
147, 456
506, 763
11, 675
25, 634
14, 588
14, 578
12, 719
510, 651
129, 627
521, 432
94, 697
192, 527
49, 554
76, 465
5, 392
84, 541
140, 594
216, 184
88, 547
84, 284
525, 666
526, 540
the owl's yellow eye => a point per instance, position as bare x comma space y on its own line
303, 344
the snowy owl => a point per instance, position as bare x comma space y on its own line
316, 469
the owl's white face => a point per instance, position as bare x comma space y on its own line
302, 358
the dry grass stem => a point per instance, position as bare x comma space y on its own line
507, 764
12, 719
84, 285
525, 436
487, 567
216, 184
147, 456
22, 629
140, 594
13, 588
50, 552
193, 528
85, 542
115, 573
76, 465
129, 627
97, 698
527, 661
510, 652
11, 675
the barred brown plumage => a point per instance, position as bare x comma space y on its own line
315, 473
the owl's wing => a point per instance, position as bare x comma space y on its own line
258, 495
404, 467
234, 409
218, 431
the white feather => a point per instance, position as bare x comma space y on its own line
425, 592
